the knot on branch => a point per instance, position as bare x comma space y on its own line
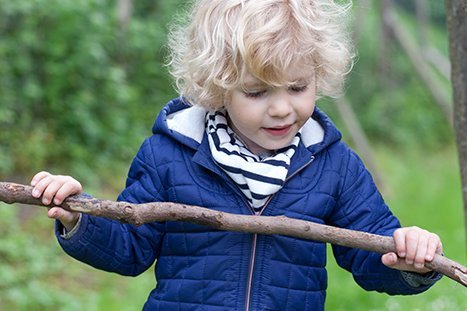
461, 273
128, 210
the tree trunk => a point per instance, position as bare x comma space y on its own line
138, 214
361, 12
423, 21
386, 41
456, 12
359, 138
124, 10
421, 67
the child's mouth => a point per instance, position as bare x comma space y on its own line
279, 130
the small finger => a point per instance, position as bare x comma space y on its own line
439, 249
39, 176
419, 260
67, 189
399, 240
49, 192
432, 248
41, 185
411, 241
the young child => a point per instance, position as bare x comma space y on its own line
245, 137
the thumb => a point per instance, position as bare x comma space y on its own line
390, 259
68, 219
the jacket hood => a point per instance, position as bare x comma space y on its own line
186, 124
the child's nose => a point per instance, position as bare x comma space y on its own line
280, 105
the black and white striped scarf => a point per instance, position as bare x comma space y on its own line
258, 178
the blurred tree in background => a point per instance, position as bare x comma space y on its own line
392, 103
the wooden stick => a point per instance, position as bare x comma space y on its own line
138, 214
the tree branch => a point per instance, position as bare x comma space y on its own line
138, 214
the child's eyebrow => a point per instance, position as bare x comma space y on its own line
250, 83
253, 84
303, 80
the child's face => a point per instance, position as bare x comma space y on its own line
267, 118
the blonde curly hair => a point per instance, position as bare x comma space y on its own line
219, 41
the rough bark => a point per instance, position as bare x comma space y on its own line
138, 214
456, 11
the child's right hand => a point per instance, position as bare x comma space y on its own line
54, 189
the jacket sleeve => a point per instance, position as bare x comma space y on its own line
361, 207
122, 248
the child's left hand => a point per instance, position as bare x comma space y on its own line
414, 246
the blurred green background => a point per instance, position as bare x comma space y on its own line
80, 89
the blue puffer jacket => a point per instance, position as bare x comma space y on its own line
199, 268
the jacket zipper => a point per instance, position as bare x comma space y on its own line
250, 273
252, 258
255, 238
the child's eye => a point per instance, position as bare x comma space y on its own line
298, 89
254, 94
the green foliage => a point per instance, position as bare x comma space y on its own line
77, 93
29, 269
